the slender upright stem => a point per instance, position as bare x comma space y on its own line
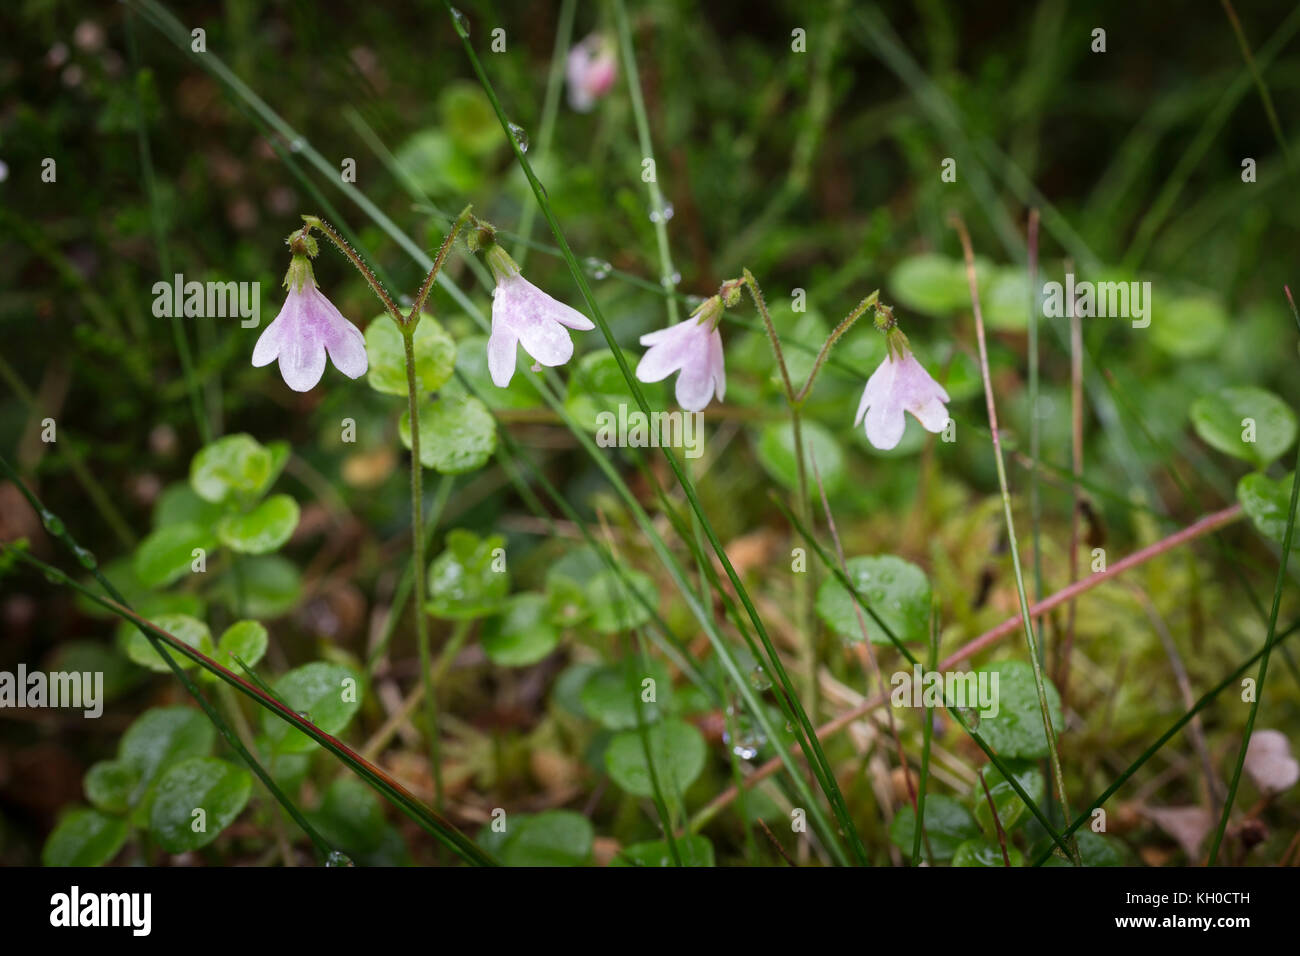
1035, 503
831, 339
1034, 659
667, 274
802, 588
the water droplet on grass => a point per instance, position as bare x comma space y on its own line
461, 21
338, 859
519, 135
598, 268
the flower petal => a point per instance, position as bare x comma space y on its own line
695, 383
268, 343
546, 341
933, 415
501, 355
347, 349
878, 387
885, 424
718, 365
302, 361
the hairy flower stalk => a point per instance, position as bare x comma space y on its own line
899, 385
692, 348
523, 314
309, 327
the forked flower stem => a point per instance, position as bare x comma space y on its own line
407, 325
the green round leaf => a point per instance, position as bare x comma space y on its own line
935, 284
1094, 850
262, 530
678, 751
180, 504
435, 356
188, 629
167, 554
1008, 803
328, 695
236, 465
462, 581
217, 788
351, 819
1006, 299
692, 850
467, 116
612, 695
84, 838
1268, 503
613, 602
246, 640
163, 736
1189, 326
110, 785
153, 605
551, 838
523, 634
457, 434
267, 587
776, 454
948, 824
982, 852
1247, 423
897, 590
1017, 730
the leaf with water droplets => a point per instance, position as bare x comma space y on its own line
218, 788
457, 434
897, 590
328, 694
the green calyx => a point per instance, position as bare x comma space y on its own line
710, 311
299, 274
499, 261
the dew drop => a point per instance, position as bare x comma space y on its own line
519, 135
758, 678
972, 717
305, 716
461, 21
598, 268
668, 211
338, 859
53, 523
654, 215
669, 282
296, 145
86, 558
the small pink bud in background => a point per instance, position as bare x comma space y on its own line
590, 71
307, 328
900, 385
524, 314
693, 348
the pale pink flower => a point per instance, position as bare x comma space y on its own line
900, 385
693, 348
307, 328
590, 71
1269, 761
524, 314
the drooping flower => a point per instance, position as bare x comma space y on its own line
693, 348
524, 314
900, 384
590, 71
307, 328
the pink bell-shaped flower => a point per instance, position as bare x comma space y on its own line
694, 349
307, 328
900, 385
523, 314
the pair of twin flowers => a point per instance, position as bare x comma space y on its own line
309, 327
